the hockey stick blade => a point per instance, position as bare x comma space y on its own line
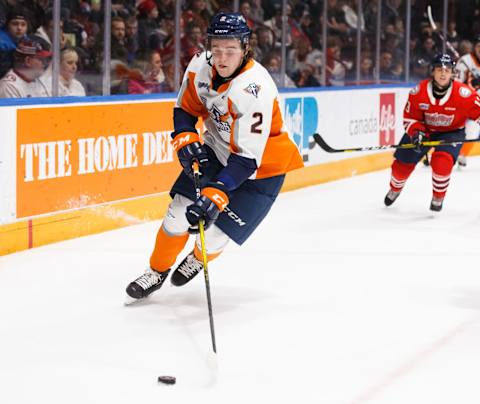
441, 36
428, 143
430, 18
319, 140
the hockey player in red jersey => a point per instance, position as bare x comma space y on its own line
437, 109
243, 155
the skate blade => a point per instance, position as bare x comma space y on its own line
131, 301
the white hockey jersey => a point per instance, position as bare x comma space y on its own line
468, 68
14, 86
242, 116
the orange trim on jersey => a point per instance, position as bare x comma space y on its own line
280, 154
233, 146
222, 87
183, 139
279, 157
247, 66
167, 248
217, 196
190, 101
277, 120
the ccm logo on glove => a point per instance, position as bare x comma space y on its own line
218, 197
183, 139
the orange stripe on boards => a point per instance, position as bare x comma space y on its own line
167, 248
199, 256
30, 233
81, 222
467, 149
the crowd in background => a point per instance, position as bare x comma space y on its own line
143, 41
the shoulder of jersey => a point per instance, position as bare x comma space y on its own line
463, 90
254, 83
465, 58
417, 89
199, 61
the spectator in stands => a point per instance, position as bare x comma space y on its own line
16, 28
336, 22
122, 8
34, 8
246, 10
273, 64
452, 35
366, 70
275, 24
393, 45
196, 12
297, 57
256, 12
163, 38
192, 42
420, 69
151, 78
147, 22
305, 77
45, 31
427, 49
30, 60
464, 47
131, 38
391, 11
265, 42
336, 68
68, 84
387, 67
169, 70
119, 49
306, 25
166, 8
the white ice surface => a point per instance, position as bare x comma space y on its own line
334, 300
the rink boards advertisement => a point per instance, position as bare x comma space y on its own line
62, 158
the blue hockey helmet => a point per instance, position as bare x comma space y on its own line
443, 60
229, 25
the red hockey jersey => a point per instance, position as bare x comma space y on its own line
423, 112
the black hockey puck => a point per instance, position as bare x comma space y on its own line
167, 379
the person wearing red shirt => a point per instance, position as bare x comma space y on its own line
437, 109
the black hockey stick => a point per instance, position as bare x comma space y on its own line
196, 181
437, 31
428, 143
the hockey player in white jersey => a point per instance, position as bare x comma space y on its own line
245, 154
468, 70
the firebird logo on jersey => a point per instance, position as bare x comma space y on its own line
219, 118
253, 89
415, 90
437, 119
